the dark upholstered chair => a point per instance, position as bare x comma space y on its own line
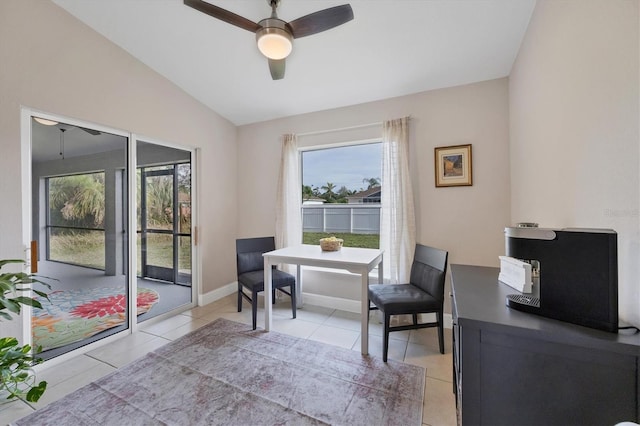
250, 267
423, 294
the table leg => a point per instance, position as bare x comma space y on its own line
267, 294
364, 314
298, 286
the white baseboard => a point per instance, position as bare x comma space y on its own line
218, 293
339, 303
351, 305
321, 300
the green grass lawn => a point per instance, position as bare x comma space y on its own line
86, 248
350, 240
78, 247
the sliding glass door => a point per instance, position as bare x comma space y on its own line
164, 223
88, 183
79, 204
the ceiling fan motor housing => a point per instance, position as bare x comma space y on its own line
274, 39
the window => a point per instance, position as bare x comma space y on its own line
341, 194
75, 219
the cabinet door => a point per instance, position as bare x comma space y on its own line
455, 350
456, 361
532, 382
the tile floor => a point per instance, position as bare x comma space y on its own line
419, 347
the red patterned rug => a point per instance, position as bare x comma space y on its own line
73, 315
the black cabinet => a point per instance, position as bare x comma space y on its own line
514, 368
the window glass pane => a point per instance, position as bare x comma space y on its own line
184, 260
184, 198
77, 246
159, 191
77, 201
139, 255
75, 222
138, 203
341, 194
164, 222
160, 250
159, 168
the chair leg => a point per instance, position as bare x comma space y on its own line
293, 299
239, 297
415, 319
254, 308
273, 296
385, 343
440, 316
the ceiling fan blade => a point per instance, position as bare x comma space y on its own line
321, 20
91, 131
223, 15
277, 68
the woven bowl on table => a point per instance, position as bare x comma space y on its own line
327, 244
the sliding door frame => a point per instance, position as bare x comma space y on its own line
26, 114
195, 256
27, 214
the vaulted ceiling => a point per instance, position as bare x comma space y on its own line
391, 48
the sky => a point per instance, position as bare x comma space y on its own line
344, 166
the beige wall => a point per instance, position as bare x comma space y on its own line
557, 143
467, 221
52, 62
573, 95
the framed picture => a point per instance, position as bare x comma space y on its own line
453, 165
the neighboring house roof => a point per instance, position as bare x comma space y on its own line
367, 193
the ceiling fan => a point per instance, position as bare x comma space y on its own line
65, 127
275, 36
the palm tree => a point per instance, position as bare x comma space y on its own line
160, 202
78, 199
371, 182
343, 193
329, 195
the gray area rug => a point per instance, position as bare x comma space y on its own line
225, 373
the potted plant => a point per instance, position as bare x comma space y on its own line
17, 379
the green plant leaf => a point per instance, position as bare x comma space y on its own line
41, 294
8, 342
10, 305
36, 392
16, 362
7, 261
27, 301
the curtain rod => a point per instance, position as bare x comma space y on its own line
342, 129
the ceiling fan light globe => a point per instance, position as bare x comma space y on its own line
274, 43
45, 121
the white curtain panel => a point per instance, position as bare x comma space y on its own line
397, 222
289, 196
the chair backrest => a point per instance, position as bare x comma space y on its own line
429, 269
249, 253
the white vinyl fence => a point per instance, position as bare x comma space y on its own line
347, 218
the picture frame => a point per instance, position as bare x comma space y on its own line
453, 166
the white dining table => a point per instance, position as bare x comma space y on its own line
356, 260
